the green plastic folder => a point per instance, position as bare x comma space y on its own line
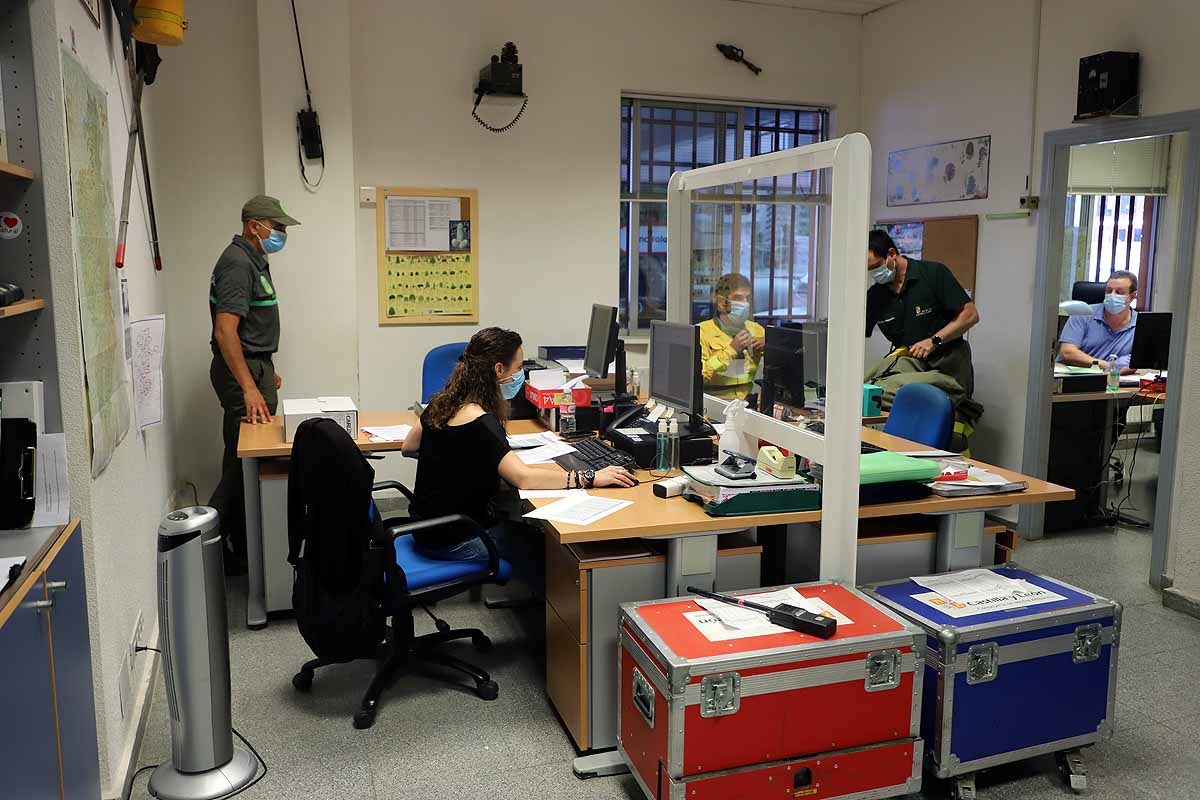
887, 467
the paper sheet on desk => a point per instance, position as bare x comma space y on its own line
579, 510
522, 441
540, 494
53, 490
545, 454
388, 433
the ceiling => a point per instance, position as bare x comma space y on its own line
854, 7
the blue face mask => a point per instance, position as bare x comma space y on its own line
512, 387
739, 312
883, 274
274, 243
1115, 303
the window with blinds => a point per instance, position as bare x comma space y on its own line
768, 243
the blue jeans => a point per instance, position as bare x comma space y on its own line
519, 544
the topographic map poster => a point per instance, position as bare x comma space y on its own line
94, 222
939, 173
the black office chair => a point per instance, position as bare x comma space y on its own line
331, 513
1090, 292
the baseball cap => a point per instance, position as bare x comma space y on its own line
265, 207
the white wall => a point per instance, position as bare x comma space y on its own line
548, 189
206, 152
120, 508
937, 70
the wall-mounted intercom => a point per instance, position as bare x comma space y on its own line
501, 78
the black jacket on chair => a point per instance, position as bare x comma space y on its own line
336, 544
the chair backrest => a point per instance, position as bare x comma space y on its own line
921, 413
331, 527
1090, 292
439, 363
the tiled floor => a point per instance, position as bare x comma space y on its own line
432, 741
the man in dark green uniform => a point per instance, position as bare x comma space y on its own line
919, 305
245, 336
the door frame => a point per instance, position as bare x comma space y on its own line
1056, 147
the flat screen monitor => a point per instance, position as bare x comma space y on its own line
784, 365
601, 341
1151, 341
675, 377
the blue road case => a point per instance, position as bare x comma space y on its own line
1001, 686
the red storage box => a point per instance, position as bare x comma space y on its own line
552, 398
730, 714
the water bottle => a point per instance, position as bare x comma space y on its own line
1114, 374
662, 450
635, 384
673, 444
566, 417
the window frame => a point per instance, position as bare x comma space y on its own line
631, 194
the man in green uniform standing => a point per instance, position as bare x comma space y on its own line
245, 336
919, 305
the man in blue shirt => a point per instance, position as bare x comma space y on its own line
1091, 340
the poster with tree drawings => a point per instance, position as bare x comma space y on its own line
429, 285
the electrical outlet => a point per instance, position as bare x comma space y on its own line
366, 195
135, 641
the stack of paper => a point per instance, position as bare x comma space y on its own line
545, 454
978, 481
522, 441
581, 509
980, 591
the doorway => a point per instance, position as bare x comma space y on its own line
1094, 221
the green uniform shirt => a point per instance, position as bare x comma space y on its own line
929, 299
241, 284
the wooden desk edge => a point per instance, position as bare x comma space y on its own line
34, 568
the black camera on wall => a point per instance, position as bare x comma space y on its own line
502, 75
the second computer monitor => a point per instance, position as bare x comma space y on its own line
601, 341
675, 377
784, 365
1151, 341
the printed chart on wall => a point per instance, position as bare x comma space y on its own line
939, 173
94, 221
427, 256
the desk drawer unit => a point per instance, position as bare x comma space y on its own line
1001, 686
717, 718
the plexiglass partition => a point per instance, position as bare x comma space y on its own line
779, 240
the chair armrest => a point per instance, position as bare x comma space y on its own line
457, 520
397, 485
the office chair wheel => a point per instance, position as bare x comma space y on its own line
481, 643
302, 680
487, 690
364, 718
442, 625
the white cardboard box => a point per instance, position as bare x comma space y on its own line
339, 409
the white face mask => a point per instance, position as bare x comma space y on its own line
883, 274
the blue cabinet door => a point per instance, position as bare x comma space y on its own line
28, 751
73, 671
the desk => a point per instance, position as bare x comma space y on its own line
266, 441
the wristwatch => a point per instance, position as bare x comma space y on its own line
937, 340
589, 477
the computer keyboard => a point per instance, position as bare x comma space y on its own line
595, 455
864, 447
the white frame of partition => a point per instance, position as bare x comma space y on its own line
849, 158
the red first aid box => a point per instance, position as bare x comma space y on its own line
708, 712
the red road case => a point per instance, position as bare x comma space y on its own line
777, 715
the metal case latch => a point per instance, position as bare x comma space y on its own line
883, 670
1088, 641
983, 663
720, 694
643, 696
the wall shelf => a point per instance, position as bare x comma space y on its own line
16, 171
22, 307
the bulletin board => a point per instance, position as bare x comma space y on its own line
427, 246
953, 241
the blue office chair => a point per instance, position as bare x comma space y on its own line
439, 363
921, 413
338, 551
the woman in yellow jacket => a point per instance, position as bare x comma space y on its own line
730, 344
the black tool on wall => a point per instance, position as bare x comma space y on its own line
308, 124
735, 53
503, 77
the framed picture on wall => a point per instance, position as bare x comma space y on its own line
93, 7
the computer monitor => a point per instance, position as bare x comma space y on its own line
1151, 341
783, 368
675, 377
601, 341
